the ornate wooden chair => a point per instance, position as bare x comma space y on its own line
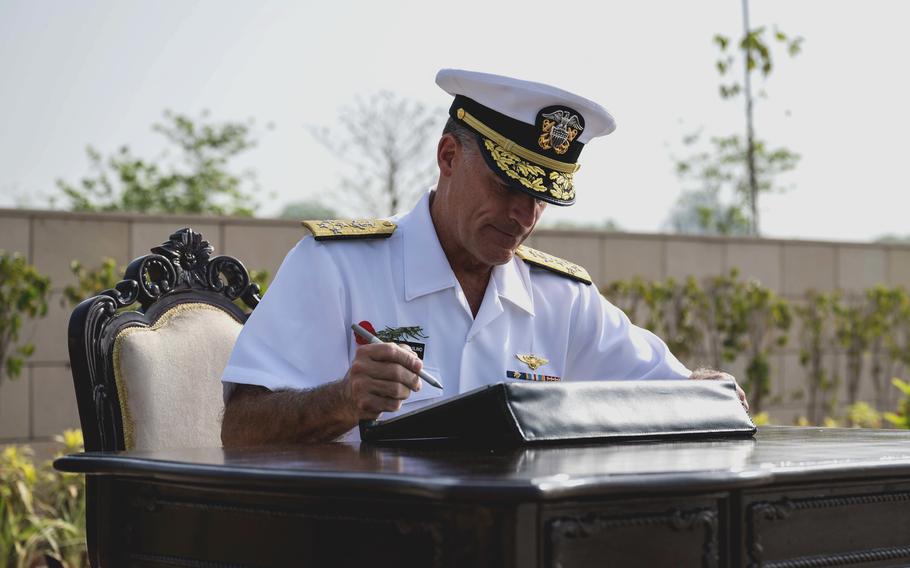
150, 378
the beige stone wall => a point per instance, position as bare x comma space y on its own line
41, 402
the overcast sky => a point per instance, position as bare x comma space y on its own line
74, 73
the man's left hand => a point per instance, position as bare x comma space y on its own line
711, 374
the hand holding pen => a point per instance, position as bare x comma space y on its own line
381, 377
374, 340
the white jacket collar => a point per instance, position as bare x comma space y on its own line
427, 270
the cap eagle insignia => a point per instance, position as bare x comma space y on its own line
560, 128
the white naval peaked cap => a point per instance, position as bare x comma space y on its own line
522, 100
530, 134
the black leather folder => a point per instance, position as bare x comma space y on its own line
515, 413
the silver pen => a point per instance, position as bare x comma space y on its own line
373, 339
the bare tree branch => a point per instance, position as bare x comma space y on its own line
386, 142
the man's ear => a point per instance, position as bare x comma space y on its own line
446, 151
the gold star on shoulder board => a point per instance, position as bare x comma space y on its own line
532, 361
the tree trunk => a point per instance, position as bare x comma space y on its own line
854, 370
750, 128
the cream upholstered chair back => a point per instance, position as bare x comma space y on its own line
168, 377
150, 378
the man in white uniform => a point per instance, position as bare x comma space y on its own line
449, 284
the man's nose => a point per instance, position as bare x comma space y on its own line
523, 209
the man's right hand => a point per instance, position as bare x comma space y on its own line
381, 376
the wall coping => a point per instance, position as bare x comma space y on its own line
189, 220
143, 218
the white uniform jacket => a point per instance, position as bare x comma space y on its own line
300, 334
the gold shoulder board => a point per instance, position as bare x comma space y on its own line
552, 263
338, 229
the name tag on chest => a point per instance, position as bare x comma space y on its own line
418, 348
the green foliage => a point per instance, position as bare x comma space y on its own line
199, 183
888, 317
731, 316
23, 295
852, 333
761, 419
42, 511
675, 306
892, 238
716, 196
767, 321
722, 318
901, 418
667, 308
735, 170
815, 336
873, 327
858, 415
827, 422
878, 325
91, 281
863, 415
260, 277
628, 296
308, 209
757, 53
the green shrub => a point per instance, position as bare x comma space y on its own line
42, 511
23, 295
91, 281
863, 415
901, 418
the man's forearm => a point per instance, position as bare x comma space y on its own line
256, 416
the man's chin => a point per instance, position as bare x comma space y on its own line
493, 253
501, 256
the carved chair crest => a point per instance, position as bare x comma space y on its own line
180, 270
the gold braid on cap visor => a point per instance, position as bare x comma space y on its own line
514, 148
529, 175
518, 163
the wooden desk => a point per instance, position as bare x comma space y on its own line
791, 497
